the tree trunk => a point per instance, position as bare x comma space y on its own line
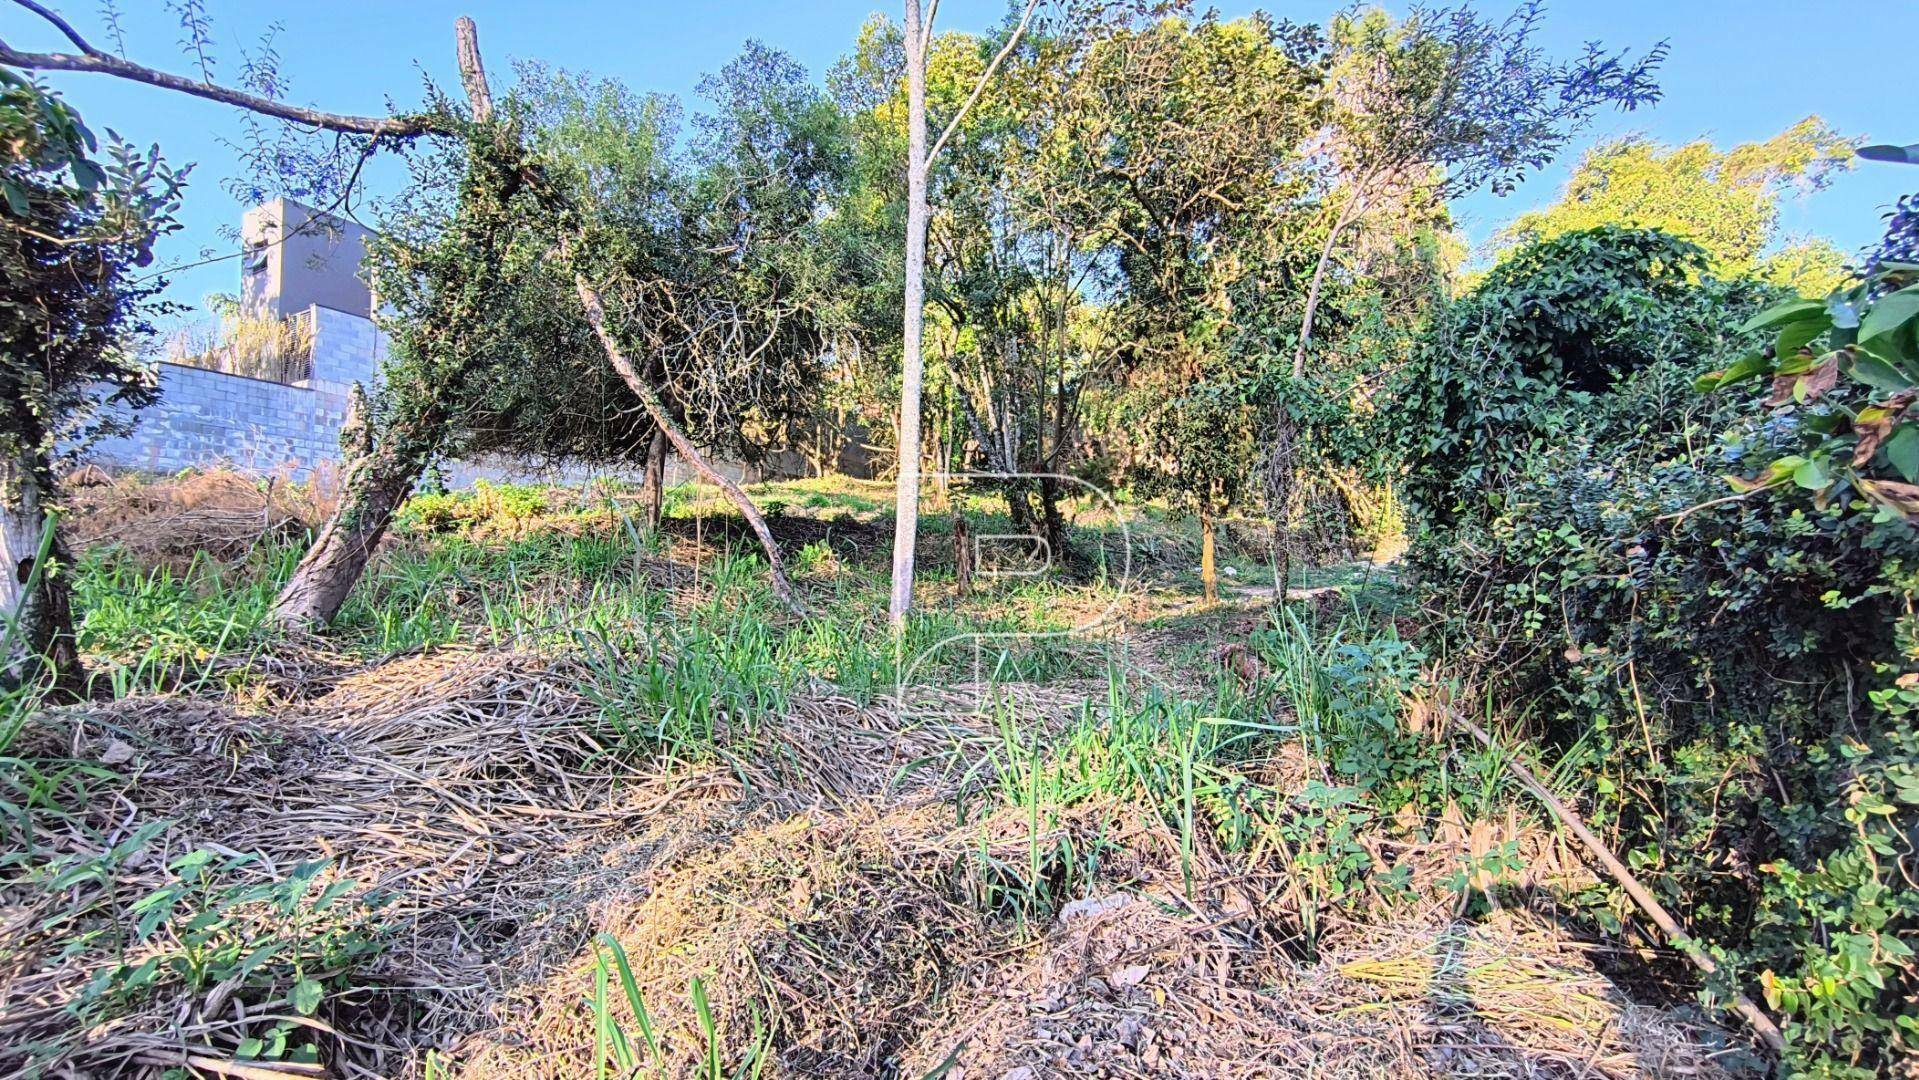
381, 472
906, 502
379, 478
1345, 218
596, 318
35, 583
1208, 571
962, 551
653, 486
1052, 521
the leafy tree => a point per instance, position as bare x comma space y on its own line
507, 216
1726, 202
709, 260
1514, 365
1729, 678
76, 226
1451, 101
1187, 137
453, 322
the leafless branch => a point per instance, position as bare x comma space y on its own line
96, 61
986, 76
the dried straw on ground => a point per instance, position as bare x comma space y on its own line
819, 881
219, 511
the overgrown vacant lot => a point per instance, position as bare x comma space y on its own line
558, 798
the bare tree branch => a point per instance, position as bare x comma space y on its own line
62, 25
91, 59
986, 76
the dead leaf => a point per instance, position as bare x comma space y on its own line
1875, 423
1822, 378
1901, 498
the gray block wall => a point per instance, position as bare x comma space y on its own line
206, 418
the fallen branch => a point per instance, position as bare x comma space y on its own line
1248, 668
1743, 1005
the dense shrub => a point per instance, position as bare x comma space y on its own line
1719, 672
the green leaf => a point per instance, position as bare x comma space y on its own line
88, 175
16, 199
1903, 451
1812, 475
306, 997
1890, 312
1791, 311
1740, 370
1876, 371
1797, 335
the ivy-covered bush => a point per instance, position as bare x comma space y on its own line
1722, 670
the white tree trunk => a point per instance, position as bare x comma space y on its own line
36, 615
906, 503
1346, 215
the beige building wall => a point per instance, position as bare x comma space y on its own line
295, 257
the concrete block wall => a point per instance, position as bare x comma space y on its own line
204, 417
207, 418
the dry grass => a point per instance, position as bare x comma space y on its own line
219, 511
834, 908
844, 879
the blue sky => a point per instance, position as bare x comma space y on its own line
1738, 71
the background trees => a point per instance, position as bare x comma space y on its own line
1726, 202
1448, 101
1191, 134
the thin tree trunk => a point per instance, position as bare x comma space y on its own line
962, 551
35, 583
1051, 520
1346, 215
906, 501
596, 318
1208, 575
653, 485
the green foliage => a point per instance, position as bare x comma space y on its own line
1516, 366
74, 232
1717, 672
1843, 375
710, 257
206, 927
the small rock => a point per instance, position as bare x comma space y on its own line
1092, 905
118, 753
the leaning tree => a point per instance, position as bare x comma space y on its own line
77, 222
507, 212
707, 262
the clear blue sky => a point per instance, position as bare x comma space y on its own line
1738, 71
